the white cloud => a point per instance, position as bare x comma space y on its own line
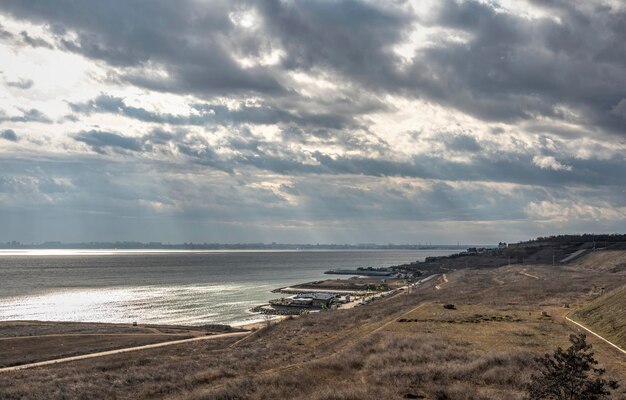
571, 210
549, 162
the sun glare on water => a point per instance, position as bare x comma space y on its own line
189, 304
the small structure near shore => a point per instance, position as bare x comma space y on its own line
318, 300
361, 271
306, 300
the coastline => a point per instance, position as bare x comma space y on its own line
179, 289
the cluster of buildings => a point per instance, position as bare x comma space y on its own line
307, 300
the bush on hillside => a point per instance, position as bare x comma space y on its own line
570, 375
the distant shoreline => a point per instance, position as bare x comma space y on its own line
159, 246
142, 251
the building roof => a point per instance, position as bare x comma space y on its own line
316, 296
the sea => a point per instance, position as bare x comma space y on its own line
166, 287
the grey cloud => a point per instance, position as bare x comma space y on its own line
211, 114
99, 141
154, 142
115, 105
245, 150
116, 197
192, 42
9, 134
512, 68
503, 168
26, 184
438, 201
4, 34
34, 42
352, 37
118, 191
205, 155
21, 83
535, 76
463, 143
32, 115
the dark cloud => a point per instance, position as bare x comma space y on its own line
191, 41
99, 141
351, 37
514, 68
9, 134
215, 114
511, 68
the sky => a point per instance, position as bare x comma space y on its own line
311, 121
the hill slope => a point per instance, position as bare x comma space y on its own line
606, 315
612, 261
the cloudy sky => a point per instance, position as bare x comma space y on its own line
311, 121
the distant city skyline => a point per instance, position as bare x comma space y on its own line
311, 121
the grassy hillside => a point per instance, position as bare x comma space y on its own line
606, 315
407, 346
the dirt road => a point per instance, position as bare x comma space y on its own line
118, 351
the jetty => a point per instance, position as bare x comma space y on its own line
384, 272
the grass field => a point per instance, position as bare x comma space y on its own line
18, 351
23, 342
405, 346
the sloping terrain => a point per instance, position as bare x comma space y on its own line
606, 316
407, 346
607, 260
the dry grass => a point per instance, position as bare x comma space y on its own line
23, 342
17, 351
39, 328
150, 374
482, 350
606, 315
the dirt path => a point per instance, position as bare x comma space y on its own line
595, 334
394, 319
523, 272
118, 351
442, 280
498, 280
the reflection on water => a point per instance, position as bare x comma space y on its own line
92, 252
179, 287
193, 305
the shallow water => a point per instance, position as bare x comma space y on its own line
180, 287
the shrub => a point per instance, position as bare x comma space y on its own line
570, 375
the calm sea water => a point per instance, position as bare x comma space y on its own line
164, 287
